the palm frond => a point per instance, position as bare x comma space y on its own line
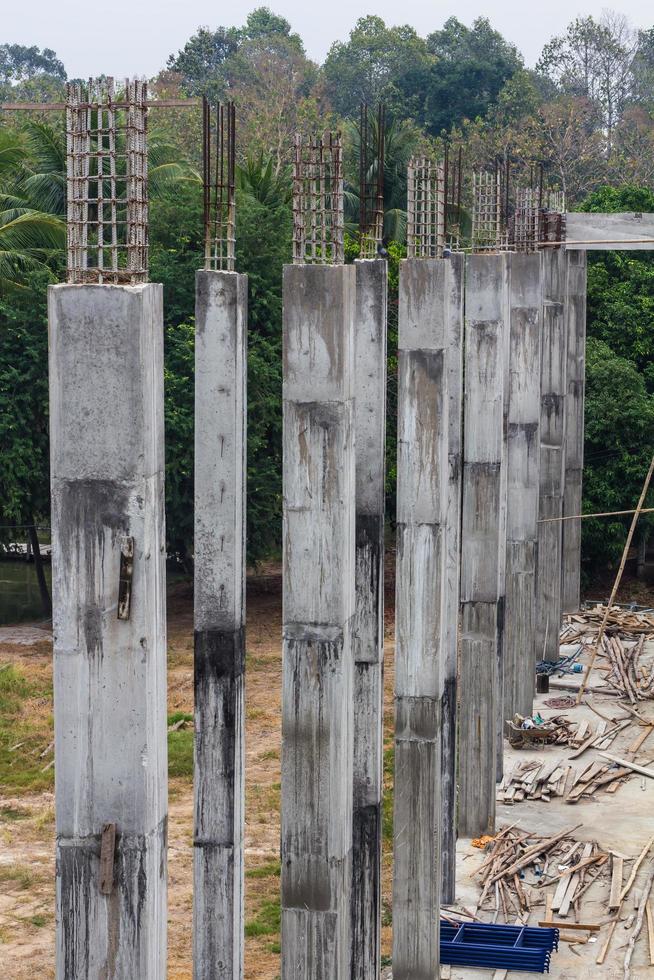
47, 148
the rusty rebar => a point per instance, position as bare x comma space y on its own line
318, 200
426, 208
219, 184
106, 182
371, 182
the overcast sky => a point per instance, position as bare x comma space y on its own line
135, 37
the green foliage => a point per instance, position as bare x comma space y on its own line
619, 441
471, 65
24, 446
377, 63
270, 870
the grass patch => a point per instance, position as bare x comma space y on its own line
267, 920
180, 746
13, 813
387, 802
16, 874
271, 870
38, 920
23, 738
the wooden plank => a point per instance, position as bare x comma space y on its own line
574, 883
617, 867
549, 923
650, 932
628, 765
636, 744
634, 871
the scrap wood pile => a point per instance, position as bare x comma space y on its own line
519, 866
522, 872
623, 622
545, 778
628, 672
560, 730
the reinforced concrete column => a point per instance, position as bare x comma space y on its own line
522, 460
453, 312
109, 626
317, 668
219, 614
575, 315
421, 607
552, 455
482, 541
368, 638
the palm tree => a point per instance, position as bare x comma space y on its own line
33, 196
29, 233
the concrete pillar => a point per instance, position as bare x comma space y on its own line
552, 455
108, 548
453, 300
317, 670
421, 606
522, 461
368, 648
220, 477
575, 315
482, 540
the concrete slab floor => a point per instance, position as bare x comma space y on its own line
623, 821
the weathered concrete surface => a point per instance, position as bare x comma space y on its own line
575, 316
429, 332
107, 474
522, 463
368, 638
602, 232
318, 612
219, 614
483, 539
552, 455
454, 327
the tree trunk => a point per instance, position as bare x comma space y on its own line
46, 602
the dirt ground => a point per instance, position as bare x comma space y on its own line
27, 817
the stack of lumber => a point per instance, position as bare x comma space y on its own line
621, 621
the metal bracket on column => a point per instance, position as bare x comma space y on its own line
107, 849
125, 581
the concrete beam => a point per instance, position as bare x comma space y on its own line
608, 232
522, 467
483, 540
317, 670
108, 539
219, 614
575, 314
368, 640
552, 455
424, 599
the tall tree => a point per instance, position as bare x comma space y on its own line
377, 63
469, 69
594, 59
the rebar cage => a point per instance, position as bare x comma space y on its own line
318, 200
426, 207
489, 210
371, 183
106, 182
219, 168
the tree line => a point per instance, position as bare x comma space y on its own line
585, 113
